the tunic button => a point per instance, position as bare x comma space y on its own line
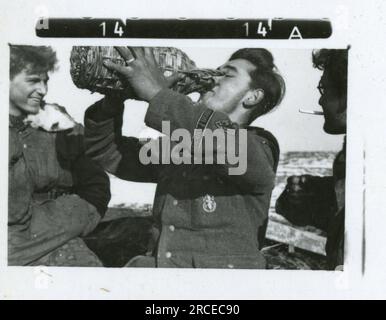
175, 202
24, 146
168, 255
172, 228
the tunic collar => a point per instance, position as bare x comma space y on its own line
17, 122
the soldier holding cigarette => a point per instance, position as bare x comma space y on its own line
320, 201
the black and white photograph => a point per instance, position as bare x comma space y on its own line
91, 183
221, 152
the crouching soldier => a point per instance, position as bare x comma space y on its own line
56, 194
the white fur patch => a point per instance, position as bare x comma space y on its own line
51, 117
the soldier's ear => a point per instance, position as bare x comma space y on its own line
253, 98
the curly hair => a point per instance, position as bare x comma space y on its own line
334, 61
266, 76
36, 59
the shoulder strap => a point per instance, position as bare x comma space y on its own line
272, 143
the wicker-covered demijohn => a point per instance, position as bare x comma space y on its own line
88, 72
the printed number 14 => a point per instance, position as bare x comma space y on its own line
260, 29
117, 29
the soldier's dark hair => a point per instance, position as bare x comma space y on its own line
266, 77
334, 61
36, 59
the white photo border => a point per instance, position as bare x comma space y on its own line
353, 24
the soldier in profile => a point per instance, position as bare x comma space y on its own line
320, 201
205, 218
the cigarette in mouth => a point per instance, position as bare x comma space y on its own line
318, 113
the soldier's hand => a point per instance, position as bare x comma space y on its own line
298, 201
307, 200
142, 72
299, 185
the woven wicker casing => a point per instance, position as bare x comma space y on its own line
88, 72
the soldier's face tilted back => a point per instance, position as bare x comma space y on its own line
232, 89
334, 104
26, 92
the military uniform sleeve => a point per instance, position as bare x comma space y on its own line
183, 113
90, 181
117, 154
35, 228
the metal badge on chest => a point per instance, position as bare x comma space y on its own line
208, 203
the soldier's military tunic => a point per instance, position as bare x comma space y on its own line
205, 218
45, 217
